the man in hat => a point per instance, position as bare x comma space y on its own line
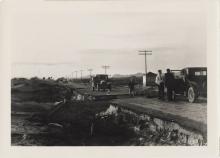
169, 84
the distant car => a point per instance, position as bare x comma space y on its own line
190, 82
100, 81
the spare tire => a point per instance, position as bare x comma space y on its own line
204, 85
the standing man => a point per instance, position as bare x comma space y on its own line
169, 84
131, 85
160, 83
92, 83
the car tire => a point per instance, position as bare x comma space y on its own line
110, 87
192, 96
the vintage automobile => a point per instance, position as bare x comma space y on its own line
100, 81
190, 82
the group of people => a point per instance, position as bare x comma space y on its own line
163, 81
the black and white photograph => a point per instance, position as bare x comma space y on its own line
108, 73
127, 76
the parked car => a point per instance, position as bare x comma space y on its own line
190, 82
100, 81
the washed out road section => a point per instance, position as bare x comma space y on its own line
190, 115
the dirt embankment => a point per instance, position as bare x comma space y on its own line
31, 100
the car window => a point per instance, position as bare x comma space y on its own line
177, 75
197, 73
200, 73
204, 73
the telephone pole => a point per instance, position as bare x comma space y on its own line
105, 67
145, 53
81, 73
90, 72
76, 73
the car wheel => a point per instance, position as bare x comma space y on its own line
110, 87
191, 95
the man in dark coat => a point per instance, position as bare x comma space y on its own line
131, 85
169, 84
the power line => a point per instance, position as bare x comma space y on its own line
145, 53
105, 67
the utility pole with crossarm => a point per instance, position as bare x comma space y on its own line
76, 73
145, 53
81, 72
105, 67
90, 72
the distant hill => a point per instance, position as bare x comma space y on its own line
139, 74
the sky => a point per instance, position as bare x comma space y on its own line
56, 38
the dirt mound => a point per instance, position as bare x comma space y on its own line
82, 125
39, 90
72, 111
